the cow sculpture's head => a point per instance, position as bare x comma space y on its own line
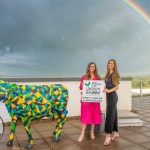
3, 90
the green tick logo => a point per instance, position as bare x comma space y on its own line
87, 84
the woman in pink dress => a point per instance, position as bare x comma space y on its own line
90, 111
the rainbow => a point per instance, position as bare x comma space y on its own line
138, 9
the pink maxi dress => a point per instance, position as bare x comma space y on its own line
90, 111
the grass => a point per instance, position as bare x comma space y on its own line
138, 81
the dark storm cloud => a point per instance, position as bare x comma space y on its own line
59, 38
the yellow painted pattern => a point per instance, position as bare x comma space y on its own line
55, 117
11, 136
58, 97
14, 117
60, 126
37, 109
23, 87
56, 92
29, 113
62, 115
23, 106
43, 108
58, 120
27, 129
37, 94
13, 106
29, 102
20, 101
15, 98
44, 100
34, 100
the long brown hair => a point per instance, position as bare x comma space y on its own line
115, 68
87, 74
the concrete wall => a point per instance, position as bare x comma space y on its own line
124, 94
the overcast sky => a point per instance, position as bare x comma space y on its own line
58, 38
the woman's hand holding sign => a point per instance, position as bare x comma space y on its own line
106, 91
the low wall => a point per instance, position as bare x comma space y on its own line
124, 94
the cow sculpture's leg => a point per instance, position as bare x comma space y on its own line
12, 132
61, 119
26, 122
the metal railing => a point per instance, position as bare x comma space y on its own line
141, 87
1, 127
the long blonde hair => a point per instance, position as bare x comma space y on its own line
115, 68
88, 75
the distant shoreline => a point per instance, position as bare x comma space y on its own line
32, 79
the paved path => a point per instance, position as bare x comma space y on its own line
132, 138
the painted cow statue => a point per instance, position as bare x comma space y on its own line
30, 102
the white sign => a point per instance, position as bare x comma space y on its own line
93, 91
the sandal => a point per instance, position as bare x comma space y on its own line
115, 136
80, 139
107, 140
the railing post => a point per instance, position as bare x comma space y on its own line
141, 87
